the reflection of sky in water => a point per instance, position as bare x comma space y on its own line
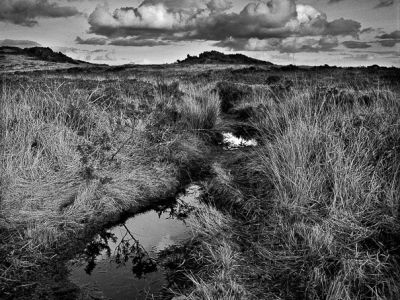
233, 142
154, 231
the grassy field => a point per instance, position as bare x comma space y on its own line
78, 153
310, 213
313, 211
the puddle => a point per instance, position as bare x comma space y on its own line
232, 142
121, 262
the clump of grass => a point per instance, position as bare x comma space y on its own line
168, 90
194, 109
70, 161
222, 281
318, 217
200, 109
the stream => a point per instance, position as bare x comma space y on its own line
121, 262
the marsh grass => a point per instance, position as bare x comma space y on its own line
315, 207
76, 155
200, 109
311, 213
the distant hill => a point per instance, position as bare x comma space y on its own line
215, 57
40, 53
36, 58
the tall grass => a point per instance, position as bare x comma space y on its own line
318, 217
311, 213
61, 160
334, 171
200, 109
76, 153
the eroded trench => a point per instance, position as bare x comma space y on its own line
123, 261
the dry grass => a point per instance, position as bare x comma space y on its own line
315, 206
76, 154
200, 109
311, 213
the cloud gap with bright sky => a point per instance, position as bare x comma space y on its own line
309, 32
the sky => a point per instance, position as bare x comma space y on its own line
302, 32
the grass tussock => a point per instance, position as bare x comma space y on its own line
310, 213
76, 155
200, 109
318, 216
222, 281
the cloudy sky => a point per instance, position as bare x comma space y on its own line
312, 32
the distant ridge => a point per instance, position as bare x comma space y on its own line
215, 57
45, 54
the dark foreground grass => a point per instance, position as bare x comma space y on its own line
77, 154
313, 212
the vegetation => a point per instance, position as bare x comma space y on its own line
310, 213
215, 57
77, 154
41, 53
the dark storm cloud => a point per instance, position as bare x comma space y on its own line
138, 42
392, 35
389, 43
18, 43
356, 44
91, 41
384, 3
343, 27
389, 39
26, 12
308, 22
381, 3
152, 19
165, 20
368, 30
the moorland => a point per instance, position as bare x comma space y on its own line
311, 212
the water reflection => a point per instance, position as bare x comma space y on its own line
95, 248
125, 256
127, 248
232, 142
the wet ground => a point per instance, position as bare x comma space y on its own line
232, 142
121, 262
